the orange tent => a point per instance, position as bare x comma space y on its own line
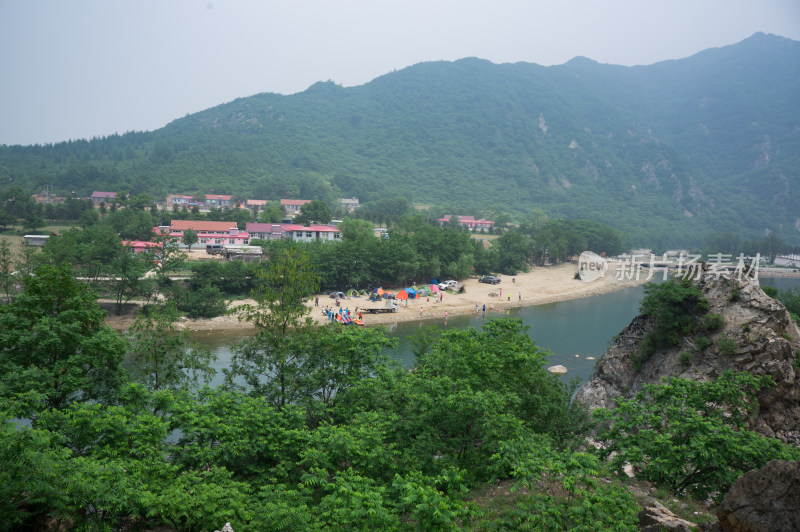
402, 294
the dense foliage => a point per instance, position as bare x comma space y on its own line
691, 436
664, 153
314, 428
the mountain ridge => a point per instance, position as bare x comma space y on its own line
665, 152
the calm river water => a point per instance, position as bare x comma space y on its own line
571, 330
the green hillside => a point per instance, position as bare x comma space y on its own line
666, 152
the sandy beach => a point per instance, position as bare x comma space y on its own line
541, 285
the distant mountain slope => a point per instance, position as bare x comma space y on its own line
665, 152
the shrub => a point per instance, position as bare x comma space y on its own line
674, 305
695, 433
771, 291
712, 322
205, 302
702, 343
727, 346
685, 357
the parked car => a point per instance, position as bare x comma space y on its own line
489, 279
453, 285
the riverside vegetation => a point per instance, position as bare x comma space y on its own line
313, 429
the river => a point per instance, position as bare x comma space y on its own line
575, 332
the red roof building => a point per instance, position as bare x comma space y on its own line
468, 221
292, 206
208, 232
220, 200
296, 232
101, 197
307, 233
139, 246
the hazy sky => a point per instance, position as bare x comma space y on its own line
83, 68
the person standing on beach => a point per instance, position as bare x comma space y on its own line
316, 301
520, 296
484, 308
501, 294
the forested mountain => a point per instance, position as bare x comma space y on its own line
666, 152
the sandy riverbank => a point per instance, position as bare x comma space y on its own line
540, 285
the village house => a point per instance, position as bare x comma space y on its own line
35, 240
99, 197
264, 231
140, 246
218, 200
46, 198
179, 199
256, 204
350, 204
468, 221
292, 206
308, 233
226, 233
296, 232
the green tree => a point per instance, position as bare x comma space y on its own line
675, 306
32, 222
32, 469
284, 285
168, 255
271, 214
513, 250
189, 238
6, 219
28, 259
314, 212
127, 277
206, 301
6, 268
691, 436
163, 356
55, 344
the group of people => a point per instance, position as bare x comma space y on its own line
341, 314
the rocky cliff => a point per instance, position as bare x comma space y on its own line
757, 335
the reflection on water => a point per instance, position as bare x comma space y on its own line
575, 332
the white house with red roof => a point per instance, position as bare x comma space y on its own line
350, 204
218, 200
99, 196
264, 231
256, 203
307, 233
292, 206
468, 221
180, 199
208, 232
296, 232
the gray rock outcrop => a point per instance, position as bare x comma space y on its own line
655, 517
765, 500
766, 339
